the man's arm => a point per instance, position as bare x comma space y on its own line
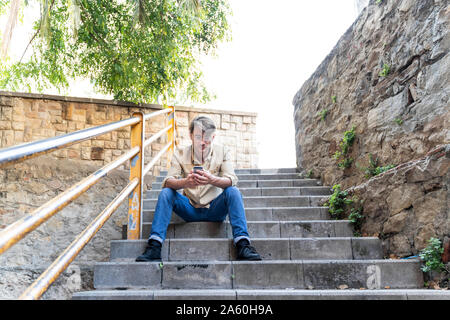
175, 183
221, 182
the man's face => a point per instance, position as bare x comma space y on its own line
201, 141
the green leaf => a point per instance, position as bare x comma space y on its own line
156, 58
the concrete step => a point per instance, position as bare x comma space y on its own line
258, 192
267, 201
266, 183
266, 214
266, 274
257, 229
262, 294
269, 249
263, 176
254, 171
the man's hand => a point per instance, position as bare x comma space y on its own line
204, 177
191, 180
198, 178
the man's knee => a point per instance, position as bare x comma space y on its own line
232, 191
166, 194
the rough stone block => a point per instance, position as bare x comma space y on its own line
367, 248
74, 113
127, 275
236, 119
197, 275
246, 119
201, 229
257, 202
305, 213
97, 153
267, 274
307, 229
371, 274
6, 125
206, 249
262, 229
320, 248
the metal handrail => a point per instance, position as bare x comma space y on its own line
157, 113
19, 229
156, 136
62, 262
33, 149
152, 163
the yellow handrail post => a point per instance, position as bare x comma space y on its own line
171, 135
136, 169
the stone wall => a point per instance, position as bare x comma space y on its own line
408, 204
398, 117
389, 77
27, 185
30, 117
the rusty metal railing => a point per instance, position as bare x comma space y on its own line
19, 229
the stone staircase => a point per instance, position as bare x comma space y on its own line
305, 254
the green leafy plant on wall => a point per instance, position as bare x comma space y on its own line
337, 202
345, 144
341, 206
373, 169
356, 219
333, 99
323, 114
432, 256
385, 70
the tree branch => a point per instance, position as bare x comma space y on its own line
36, 33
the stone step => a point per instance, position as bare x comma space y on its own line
253, 171
262, 294
257, 192
266, 214
270, 249
266, 274
266, 183
257, 229
267, 201
263, 176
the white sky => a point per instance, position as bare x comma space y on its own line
276, 46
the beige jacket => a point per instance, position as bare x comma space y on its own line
218, 163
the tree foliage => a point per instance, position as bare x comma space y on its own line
136, 50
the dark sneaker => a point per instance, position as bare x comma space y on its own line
246, 252
152, 252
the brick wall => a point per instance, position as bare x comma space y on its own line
31, 117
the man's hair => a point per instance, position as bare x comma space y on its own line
204, 122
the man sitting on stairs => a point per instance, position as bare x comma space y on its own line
209, 192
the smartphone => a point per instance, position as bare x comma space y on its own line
198, 168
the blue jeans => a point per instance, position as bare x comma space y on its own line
229, 202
